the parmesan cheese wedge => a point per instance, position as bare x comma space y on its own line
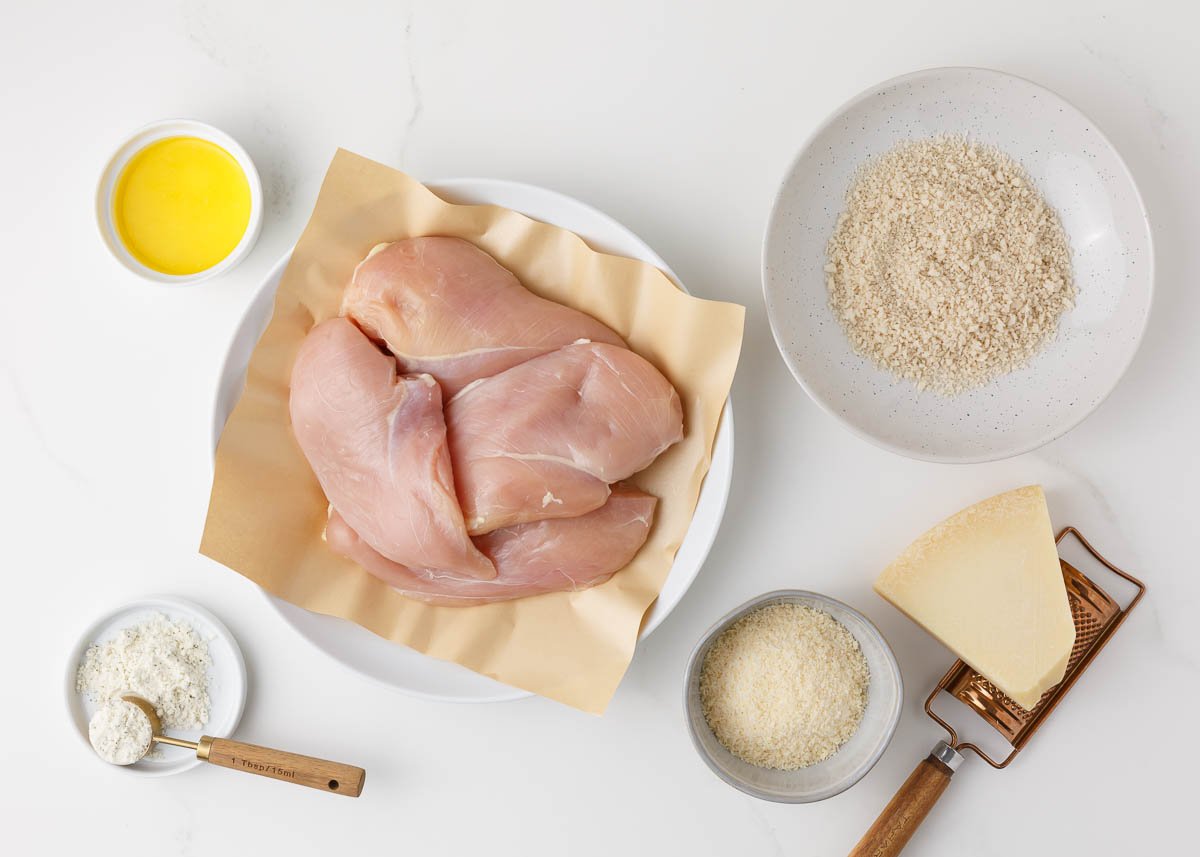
988, 584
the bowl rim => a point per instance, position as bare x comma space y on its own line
778, 596
825, 405
139, 140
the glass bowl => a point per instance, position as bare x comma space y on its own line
885, 694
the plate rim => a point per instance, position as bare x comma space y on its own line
827, 406
725, 435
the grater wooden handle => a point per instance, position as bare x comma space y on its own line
905, 812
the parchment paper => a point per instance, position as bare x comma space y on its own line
267, 513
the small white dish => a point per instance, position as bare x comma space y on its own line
1076, 169
853, 760
226, 680
139, 140
402, 668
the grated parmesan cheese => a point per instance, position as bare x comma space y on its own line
784, 687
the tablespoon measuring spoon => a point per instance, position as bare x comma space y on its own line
320, 774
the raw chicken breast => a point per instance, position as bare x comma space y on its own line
377, 444
445, 307
544, 439
546, 556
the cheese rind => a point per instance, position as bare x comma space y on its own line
988, 584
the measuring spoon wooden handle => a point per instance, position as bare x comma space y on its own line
905, 812
320, 774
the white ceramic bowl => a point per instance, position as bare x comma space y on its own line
226, 680
852, 761
134, 144
1079, 173
402, 668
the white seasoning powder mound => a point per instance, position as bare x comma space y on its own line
947, 268
120, 732
784, 687
162, 660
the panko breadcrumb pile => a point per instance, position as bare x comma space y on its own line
947, 268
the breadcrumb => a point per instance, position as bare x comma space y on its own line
947, 268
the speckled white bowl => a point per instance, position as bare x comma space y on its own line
1078, 171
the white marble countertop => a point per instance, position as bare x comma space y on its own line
678, 120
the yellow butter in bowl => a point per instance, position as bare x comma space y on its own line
180, 202
181, 205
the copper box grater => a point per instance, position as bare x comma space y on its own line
1097, 617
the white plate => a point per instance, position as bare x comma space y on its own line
226, 679
403, 668
1079, 173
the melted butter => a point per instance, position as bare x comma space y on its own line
181, 205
